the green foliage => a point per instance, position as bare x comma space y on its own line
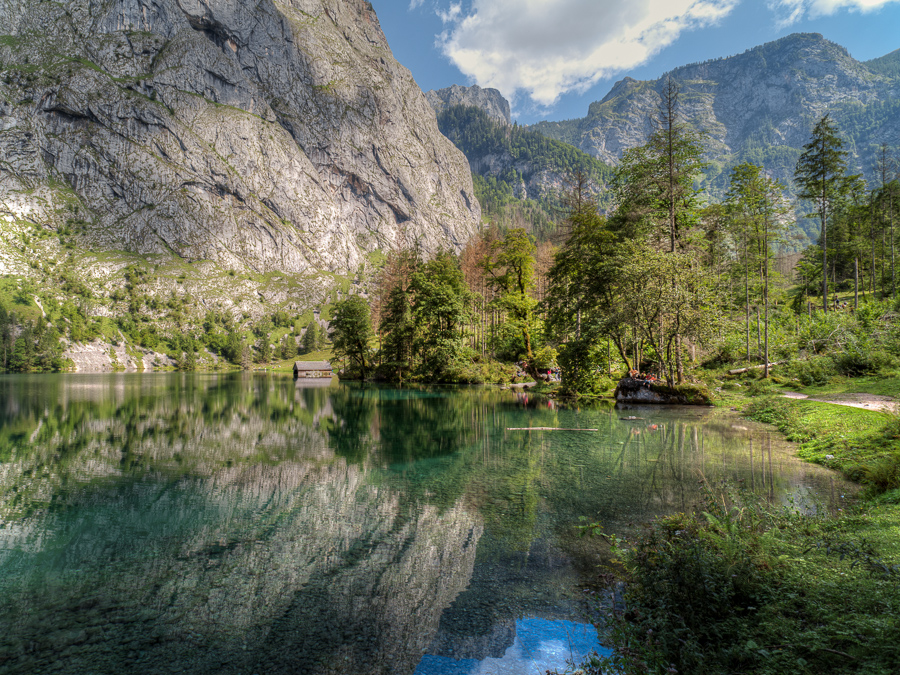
503, 209
510, 270
185, 348
821, 178
887, 65
583, 367
282, 319
813, 371
27, 346
263, 346
477, 135
739, 586
655, 184
428, 304
352, 331
313, 338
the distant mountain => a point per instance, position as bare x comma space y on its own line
759, 106
888, 65
490, 101
515, 167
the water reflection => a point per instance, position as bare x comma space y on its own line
238, 523
536, 646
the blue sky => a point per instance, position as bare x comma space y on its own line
552, 58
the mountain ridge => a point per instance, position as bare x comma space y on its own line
758, 106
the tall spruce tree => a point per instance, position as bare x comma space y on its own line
821, 178
655, 183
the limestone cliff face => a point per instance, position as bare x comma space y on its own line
268, 135
489, 100
758, 106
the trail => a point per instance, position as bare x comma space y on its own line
864, 401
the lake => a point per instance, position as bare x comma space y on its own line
239, 523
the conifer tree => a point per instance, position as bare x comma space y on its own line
820, 175
312, 337
655, 183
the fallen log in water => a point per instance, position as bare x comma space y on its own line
738, 371
545, 429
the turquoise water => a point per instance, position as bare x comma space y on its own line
166, 523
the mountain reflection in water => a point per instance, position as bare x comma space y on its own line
239, 523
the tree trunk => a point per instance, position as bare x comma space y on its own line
855, 284
758, 334
766, 295
891, 216
747, 300
824, 240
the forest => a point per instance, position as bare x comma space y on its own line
666, 282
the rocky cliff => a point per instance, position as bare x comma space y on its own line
758, 106
264, 136
490, 101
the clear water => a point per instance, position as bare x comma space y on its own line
167, 523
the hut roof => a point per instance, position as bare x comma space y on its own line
311, 365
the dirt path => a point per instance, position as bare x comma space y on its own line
865, 401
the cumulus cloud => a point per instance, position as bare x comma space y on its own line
546, 48
789, 12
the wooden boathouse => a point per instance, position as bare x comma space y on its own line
312, 370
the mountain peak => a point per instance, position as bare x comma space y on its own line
489, 100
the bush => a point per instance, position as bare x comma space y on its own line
761, 387
815, 371
583, 367
544, 358
742, 587
488, 372
863, 359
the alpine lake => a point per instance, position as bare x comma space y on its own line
244, 523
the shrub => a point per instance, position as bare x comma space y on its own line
815, 371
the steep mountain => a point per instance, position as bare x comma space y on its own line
264, 137
519, 174
490, 101
758, 106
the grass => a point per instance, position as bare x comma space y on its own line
885, 385
743, 587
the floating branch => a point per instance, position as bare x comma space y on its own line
545, 429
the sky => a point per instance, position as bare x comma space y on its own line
552, 58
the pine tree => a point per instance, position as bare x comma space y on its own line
821, 177
655, 183
311, 338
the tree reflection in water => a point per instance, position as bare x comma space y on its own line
240, 523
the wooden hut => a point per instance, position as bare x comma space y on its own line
312, 370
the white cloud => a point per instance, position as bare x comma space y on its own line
791, 11
546, 48
415, 3
452, 14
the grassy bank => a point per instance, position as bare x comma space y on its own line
742, 586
